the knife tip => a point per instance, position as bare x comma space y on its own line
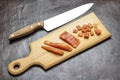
91, 4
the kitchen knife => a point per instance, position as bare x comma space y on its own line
53, 22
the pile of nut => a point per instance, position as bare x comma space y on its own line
87, 30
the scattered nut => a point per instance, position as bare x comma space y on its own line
75, 30
84, 26
88, 29
86, 35
95, 25
78, 27
83, 30
97, 31
91, 33
80, 34
90, 25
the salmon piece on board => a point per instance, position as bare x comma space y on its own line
58, 45
70, 39
52, 49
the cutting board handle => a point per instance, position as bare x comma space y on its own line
20, 65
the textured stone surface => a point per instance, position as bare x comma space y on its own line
102, 62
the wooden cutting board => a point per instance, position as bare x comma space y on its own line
45, 59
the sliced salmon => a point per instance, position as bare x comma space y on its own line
58, 45
52, 49
70, 39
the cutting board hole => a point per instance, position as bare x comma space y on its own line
16, 67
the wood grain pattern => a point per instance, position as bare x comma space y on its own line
39, 56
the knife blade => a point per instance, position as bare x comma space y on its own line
53, 22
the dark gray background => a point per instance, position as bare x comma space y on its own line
101, 62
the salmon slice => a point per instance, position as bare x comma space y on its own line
70, 39
58, 45
52, 49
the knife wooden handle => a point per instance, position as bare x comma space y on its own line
26, 30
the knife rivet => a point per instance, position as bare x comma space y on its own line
31, 26
12, 35
38, 23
